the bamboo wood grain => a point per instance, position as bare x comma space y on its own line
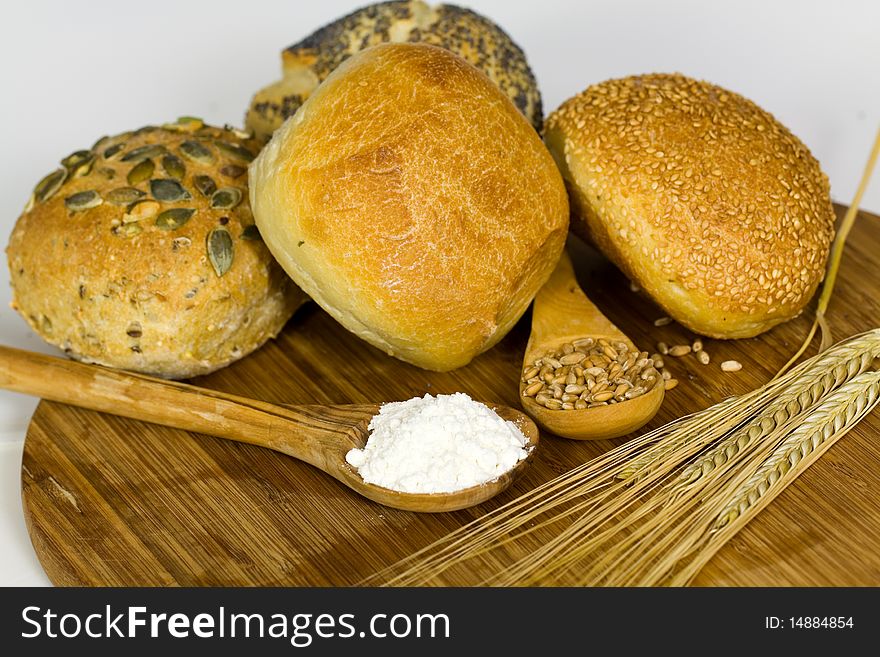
112, 501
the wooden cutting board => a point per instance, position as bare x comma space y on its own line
110, 501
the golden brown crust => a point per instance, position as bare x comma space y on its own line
117, 284
475, 38
703, 198
413, 201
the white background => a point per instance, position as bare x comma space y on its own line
73, 71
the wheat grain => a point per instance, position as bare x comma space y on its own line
595, 368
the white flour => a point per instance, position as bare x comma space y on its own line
437, 445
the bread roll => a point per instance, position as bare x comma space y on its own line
141, 253
482, 43
413, 202
704, 199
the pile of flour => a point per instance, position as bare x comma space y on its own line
437, 444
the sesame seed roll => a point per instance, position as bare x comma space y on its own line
702, 198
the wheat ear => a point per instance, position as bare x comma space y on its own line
639, 526
833, 368
838, 413
790, 394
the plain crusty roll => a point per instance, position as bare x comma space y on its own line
414, 203
475, 38
704, 199
142, 253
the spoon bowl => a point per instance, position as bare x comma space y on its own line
562, 313
431, 502
320, 435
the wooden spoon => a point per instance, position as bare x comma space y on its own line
317, 434
563, 313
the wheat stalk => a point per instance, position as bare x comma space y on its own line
801, 389
834, 259
719, 534
625, 518
689, 539
833, 368
639, 466
834, 416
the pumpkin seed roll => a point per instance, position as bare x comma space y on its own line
475, 38
141, 253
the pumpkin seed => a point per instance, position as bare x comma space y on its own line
113, 150
143, 152
47, 187
236, 151
220, 250
198, 152
134, 330
233, 171
107, 172
83, 201
78, 163
166, 189
251, 233
205, 185
124, 195
140, 210
174, 218
76, 156
98, 144
226, 198
185, 124
141, 172
174, 166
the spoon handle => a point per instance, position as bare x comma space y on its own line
563, 310
312, 434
